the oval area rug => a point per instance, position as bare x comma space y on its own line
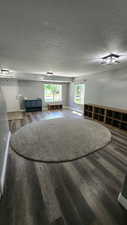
59, 140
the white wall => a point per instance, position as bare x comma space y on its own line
114, 94
34, 89
31, 89
10, 91
106, 88
109, 89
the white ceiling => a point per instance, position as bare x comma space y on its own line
64, 36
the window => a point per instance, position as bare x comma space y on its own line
53, 92
79, 93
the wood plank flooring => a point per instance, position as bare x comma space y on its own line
82, 192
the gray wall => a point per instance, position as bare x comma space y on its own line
31, 89
35, 89
107, 88
10, 91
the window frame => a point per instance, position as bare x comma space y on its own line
53, 98
82, 96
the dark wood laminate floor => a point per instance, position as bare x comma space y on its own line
82, 192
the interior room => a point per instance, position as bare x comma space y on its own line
63, 112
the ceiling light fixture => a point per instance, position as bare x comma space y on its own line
50, 73
110, 59
3, 70
6, 73
49, 76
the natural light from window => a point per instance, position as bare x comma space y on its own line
53, 93
79, 93
77, 113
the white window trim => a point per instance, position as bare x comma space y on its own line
56, 101
74, 94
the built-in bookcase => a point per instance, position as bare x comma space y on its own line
110, 116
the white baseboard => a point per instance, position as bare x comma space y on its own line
122, 200
3, 173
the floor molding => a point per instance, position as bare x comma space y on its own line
2, 179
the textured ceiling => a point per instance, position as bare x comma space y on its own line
64, 36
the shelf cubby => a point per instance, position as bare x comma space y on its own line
116, 123
124, 126
109, 121
85, 113
101, 118
124, 117
111, 116
109, 113
96, 110
102, 111
90, 114
90, 108
95, 116
117, 115
86, 107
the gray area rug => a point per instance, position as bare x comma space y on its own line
59, 140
